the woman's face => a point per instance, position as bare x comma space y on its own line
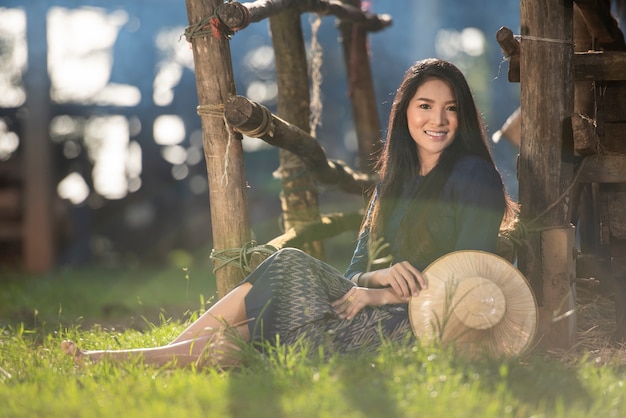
432, 121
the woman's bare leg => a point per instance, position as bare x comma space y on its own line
208, 340
230, 310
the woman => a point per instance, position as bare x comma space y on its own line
439, 192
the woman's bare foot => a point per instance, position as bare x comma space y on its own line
71, 349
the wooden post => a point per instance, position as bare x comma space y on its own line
545, 164
361, 90
38, 204
222, 147
299, 196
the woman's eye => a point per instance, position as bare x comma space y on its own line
452, 108
424, 106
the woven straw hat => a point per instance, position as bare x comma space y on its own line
478, 301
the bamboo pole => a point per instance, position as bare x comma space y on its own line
545, 163
222, 147
299, 197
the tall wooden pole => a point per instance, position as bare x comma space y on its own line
545, 164
299, 197
361, 91
222, 147
39, 192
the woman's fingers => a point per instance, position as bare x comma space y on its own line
349, 304
406, 280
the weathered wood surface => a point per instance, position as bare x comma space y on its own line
603, 169
600, 22
222, 148
607, 65
237, 16
612, 98
511, 49
545, 164
299, 197
361, 90
255, 120
586, 140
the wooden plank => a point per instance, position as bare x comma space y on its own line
603, 169
607, 65
222, 147
544, 173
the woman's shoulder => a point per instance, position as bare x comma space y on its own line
473, 164
472, 169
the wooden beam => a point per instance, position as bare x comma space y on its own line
603, 169
591, 66
255, 120
236, 16
607, 65
545, 167
222, 148
600, 22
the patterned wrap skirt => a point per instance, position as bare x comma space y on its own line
291, 298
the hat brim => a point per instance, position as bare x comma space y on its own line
479, 302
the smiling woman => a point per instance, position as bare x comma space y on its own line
460, 204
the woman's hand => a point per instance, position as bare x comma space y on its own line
358, 298
403, 278
352, 302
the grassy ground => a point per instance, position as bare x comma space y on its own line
93, 307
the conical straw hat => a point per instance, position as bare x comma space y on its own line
478, 301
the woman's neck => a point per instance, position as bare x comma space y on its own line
427, 164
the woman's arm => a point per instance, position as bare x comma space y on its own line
360, 258
359, 297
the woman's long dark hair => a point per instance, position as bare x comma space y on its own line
399, 162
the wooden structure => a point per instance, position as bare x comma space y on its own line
211, 23
572, 163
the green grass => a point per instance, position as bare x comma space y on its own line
38, 380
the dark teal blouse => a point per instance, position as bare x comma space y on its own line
469, 217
